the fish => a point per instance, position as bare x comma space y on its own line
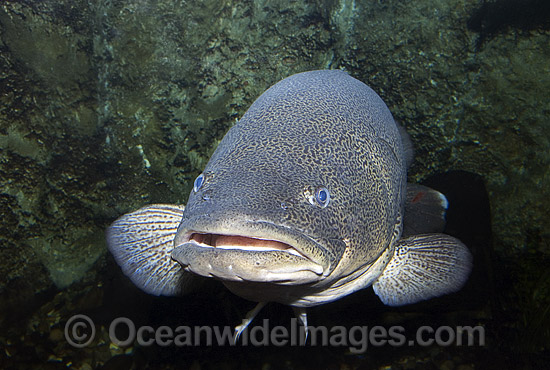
304, 201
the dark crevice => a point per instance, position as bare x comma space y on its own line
495, 17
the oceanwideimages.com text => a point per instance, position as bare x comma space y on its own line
80, 332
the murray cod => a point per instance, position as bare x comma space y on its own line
304, 201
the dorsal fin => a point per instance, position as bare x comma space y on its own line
407, 145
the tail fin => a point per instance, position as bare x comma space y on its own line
425, 210
141, 242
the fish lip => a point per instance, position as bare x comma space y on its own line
254, 229
210, 240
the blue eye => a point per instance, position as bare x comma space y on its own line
322, 197
198, 182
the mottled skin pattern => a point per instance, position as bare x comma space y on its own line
315, 129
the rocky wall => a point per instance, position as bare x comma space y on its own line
110, 105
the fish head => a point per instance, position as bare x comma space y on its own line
259, 226
299, 191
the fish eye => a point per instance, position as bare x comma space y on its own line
199, 181
322, 197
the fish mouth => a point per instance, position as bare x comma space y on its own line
245, 243
253, 258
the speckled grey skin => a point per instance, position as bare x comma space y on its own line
301, 203
315, 129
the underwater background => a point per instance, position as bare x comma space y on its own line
106, 106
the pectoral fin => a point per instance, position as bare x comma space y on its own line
423, 267
142, 242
